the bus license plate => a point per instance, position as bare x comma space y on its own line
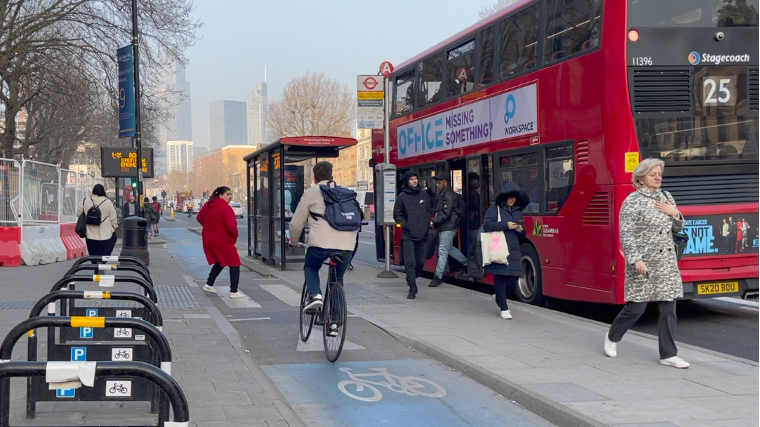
717, 288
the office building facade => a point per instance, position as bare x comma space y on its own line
228, 123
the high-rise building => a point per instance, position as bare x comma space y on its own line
180, 156
228, 123
258, 106
179, 127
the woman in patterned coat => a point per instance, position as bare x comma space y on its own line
647, 219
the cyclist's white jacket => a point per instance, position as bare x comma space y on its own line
321, 235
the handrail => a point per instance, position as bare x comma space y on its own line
163, 380
124, 296
95, 278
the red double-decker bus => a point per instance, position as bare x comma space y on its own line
565, 97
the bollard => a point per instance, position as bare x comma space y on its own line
172, 218
135, 239
163, 381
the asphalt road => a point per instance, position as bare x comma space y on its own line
725, 325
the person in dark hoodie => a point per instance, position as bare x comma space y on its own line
412, 213
510, 202
220, 233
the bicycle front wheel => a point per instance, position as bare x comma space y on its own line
335, 315
305, 320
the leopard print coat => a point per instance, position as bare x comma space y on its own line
645, 234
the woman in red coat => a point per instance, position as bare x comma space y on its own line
220, 233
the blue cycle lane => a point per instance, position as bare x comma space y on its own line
377, 380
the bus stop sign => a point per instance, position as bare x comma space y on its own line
386, 69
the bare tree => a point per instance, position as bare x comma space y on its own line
313, 105
490, 10
86, 34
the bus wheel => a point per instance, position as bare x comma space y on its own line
529, 289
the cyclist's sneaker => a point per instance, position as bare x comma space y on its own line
208, 288
333, 331
236, 295
313, 303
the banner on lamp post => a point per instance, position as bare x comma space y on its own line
127, 125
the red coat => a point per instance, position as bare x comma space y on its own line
220, 233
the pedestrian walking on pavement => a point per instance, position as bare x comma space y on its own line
648, 218
220, 234
446, 222
412, 213
157, 212
101, 222
129, 208
509, 205
147, 213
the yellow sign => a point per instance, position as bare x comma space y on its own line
87, 322
369, 95
631, 161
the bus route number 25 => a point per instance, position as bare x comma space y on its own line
718, 91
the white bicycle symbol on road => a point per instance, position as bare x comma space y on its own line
410, 385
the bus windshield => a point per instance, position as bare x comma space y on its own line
692, 13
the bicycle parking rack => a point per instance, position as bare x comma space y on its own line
118, 371
105, 268
136, 389
112, 259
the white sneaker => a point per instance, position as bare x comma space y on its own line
506, 314
610, 348
210, 289
675, 362
236, 295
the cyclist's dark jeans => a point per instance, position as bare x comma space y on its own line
314, 259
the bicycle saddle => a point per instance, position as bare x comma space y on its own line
335, 259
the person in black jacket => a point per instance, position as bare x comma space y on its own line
511, 201
412, 213
446, 223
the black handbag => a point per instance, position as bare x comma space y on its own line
680, 240
81, 228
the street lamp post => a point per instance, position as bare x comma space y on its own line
138, 137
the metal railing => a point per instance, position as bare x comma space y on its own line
69, 196
10, 193
40, 199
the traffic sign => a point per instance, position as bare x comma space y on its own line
370, 83
386, 68
370, 95
463, 74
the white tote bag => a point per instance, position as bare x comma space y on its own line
494, 245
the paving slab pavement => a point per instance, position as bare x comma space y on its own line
223, 385
552, 363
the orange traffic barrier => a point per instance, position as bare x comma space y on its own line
10, 239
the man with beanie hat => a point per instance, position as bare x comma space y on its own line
412, 214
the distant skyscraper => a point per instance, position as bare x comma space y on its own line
180, 126
228, 123
180, 156
258, 106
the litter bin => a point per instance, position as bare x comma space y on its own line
134, 241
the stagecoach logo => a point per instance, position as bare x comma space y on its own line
694, 58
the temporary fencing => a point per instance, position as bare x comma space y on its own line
10, 212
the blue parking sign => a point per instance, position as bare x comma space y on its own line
65, 392
78, 354
92, 312
85, 332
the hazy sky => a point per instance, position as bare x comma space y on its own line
342, 38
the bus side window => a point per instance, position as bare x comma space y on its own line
571, 27
560, 173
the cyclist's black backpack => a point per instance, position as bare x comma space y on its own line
461, 207
342, 211
94, 217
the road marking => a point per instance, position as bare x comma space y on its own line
284, 293
315, 343
250, 318
366, 243
749, 308
738, 301
409, 385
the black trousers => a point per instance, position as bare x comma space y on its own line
501, 284
100, 247
234, 276
414, 261
666, 325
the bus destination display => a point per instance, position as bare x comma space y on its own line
122, 162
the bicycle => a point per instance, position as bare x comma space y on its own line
333, 316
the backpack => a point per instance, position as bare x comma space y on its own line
94, 216
156, 208
461, 207
342, 211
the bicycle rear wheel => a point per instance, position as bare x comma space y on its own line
305, 320
335, 313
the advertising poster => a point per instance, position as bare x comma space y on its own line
293, 188
721, 234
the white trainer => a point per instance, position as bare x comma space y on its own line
506, 314
236, 295
610, 348
675, 362
208, 288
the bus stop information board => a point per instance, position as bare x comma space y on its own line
122, 162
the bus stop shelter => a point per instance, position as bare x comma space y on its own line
277, 175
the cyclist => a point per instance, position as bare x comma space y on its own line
323, 240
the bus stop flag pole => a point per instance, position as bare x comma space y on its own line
388, 186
